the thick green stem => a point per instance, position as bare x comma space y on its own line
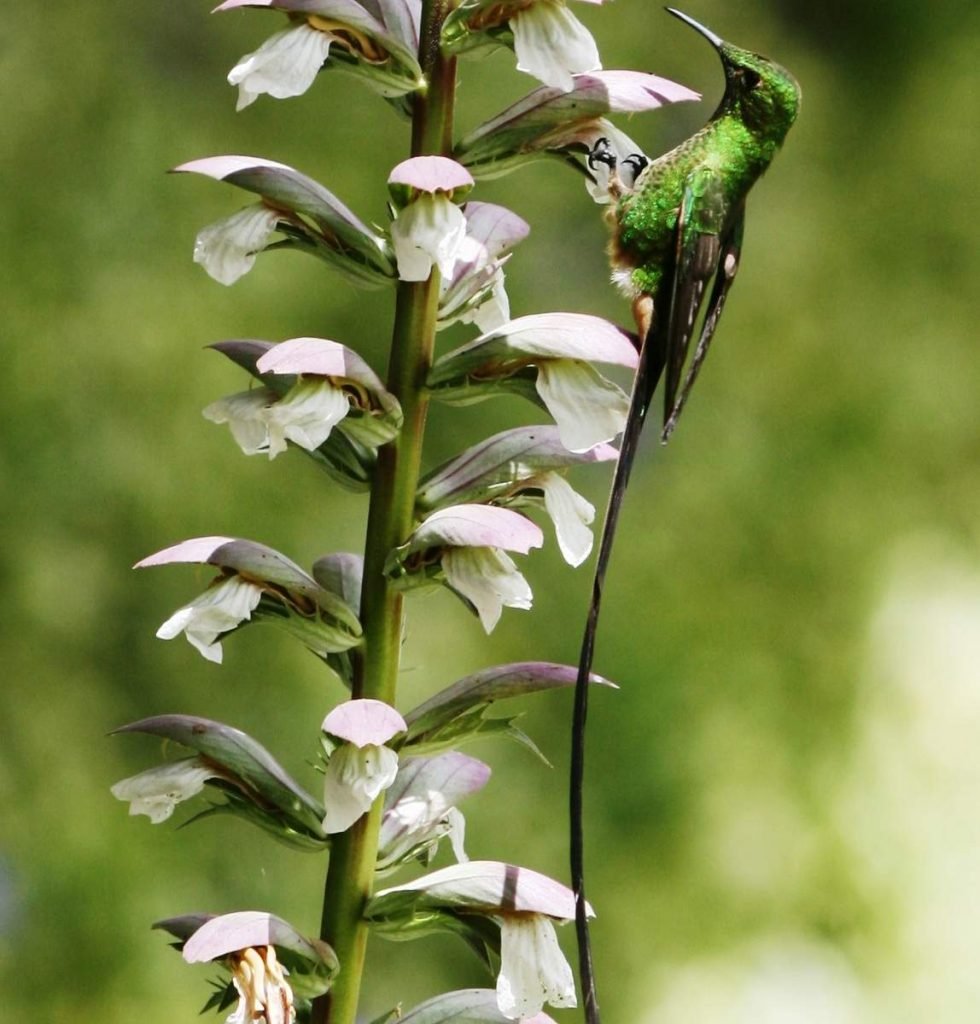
390, 519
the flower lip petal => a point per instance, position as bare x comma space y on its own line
431, 174
364, 722
478, 526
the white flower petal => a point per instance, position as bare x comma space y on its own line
227, 248
245, 414
494, 311
306, 415
457, 833
489, 579
157, 791
552, 44
571, 514
587, 408
217, 610
533, 969
285, 65
430, 230
354, 779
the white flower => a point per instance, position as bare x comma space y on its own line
587, 408
355, 777
227, 248
245, 414
285, 65
419, 820
552, 44
306, 415
488, 578
570, 513
533, 969
260, 422
219, 609
429, 230
157, 791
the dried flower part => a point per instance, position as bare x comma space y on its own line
264, 995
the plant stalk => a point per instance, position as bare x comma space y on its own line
350, 877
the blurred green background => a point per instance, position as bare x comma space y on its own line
784, 796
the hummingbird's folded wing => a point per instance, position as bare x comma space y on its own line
700, 222
727, 257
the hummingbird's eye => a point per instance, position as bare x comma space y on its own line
751, 78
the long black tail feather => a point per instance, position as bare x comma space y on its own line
652, 360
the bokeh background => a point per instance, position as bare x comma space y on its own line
784, 796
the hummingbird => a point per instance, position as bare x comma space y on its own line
676, 230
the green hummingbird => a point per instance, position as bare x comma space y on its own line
677, 225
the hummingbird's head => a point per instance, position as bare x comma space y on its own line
765, 96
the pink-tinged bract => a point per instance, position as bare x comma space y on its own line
221, 167
431, 174
363, 722
197, 549
478, 526
492, 887
305, 355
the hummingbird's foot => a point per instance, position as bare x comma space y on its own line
603, 163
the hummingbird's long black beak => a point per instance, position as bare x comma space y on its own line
716, 41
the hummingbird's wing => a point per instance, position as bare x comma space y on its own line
726, 267
700, 219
